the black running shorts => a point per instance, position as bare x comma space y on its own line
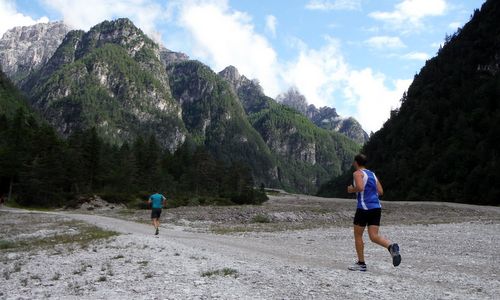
367, 217
155, 213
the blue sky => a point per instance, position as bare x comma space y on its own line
358, 56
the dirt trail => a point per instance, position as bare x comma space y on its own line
240, 247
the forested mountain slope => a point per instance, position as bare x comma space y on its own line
443, 144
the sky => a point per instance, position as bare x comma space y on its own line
358, 56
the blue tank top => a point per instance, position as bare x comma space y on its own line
368, 198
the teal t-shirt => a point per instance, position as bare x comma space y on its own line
157, 200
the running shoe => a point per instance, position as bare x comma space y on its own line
157, 231
396, 257
358, 267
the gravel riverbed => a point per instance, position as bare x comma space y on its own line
454, 257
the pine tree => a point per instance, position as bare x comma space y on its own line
42, 177
15, 147
91, 156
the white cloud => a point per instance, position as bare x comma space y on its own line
10, 17
422, 56
326, 5
374, 100
318, 74
333, 25
454, 25
408, 14
83, 14
324, 77
222, 37
385, 42
436, 45
271, 23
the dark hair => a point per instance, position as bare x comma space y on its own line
361, 159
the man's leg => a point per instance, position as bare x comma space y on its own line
380, 240
377, 238
358, 242
156, 225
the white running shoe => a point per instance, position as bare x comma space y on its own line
358, 267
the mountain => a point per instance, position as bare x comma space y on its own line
215, 118
111, 78
115, 79
327, 118
305, 154
25, 49
249, 92
443, 144
324, 117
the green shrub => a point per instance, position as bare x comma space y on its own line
177, 202
261, 219
4, 244
138, 203
218, 201
122, 198
220, 272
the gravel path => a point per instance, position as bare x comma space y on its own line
440, 261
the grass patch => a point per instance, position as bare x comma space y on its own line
127, 212
14, 204
118, 256
4, 244
143, 263
260, 218
220, 272
273, 192
87, 235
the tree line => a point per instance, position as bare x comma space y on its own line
39, 168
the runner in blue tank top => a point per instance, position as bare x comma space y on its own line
368, 213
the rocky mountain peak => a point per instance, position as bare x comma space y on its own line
239, 81
294, 99
325, 113
230, 73
120, 32
324, 117
233, 76
168, 57
25, 49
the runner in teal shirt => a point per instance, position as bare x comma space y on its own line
157, 202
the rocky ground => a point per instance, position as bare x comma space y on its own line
293, 247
